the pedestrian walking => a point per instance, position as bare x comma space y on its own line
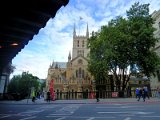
38, 94
141, 94
158, 92
97, 96
146, 92
48, 96
137, 92
33, 95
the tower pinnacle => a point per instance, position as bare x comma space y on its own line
87, 32
69, 57
74, 30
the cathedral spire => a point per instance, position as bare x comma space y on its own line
69, 56
52, 64
87, 32
74, 30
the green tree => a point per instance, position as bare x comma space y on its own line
123, 46
141, 30
22, 84
42, 86
13, 85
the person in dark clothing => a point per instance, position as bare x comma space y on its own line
141, 94
97, 96
137, 92
38, 94
146, 92
33, 95
48, 96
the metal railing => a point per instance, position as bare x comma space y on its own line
101, 94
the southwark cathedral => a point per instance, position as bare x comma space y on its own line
72, 79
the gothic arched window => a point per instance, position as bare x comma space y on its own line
76, 73
83, 43
80, 73
78, 43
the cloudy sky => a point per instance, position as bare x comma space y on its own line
54, 41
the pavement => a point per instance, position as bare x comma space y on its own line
84, 101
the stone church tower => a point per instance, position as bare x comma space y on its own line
72, 76
80, 44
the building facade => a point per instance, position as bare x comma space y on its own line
155, 80
72, 76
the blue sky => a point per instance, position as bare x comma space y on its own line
54, 41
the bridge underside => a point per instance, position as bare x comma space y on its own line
20, 21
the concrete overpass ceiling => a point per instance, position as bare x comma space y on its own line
20, 20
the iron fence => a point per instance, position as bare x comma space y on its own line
101, 94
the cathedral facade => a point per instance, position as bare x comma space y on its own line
72, 76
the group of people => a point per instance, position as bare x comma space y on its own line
142, 92
35, 94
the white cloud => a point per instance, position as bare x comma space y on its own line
114, 3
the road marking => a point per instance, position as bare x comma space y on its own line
32, 111
91, 118
130, 112
127, 115
120, 107
107, 107
128, 118
144, 113
151, 116
60, 118
59, 114
4, 116
28, 118
48, 107
66, 110
87, 118
112, 112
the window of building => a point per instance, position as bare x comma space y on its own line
80, 61
80, 73
83, 43
60, 80
78, 43
76, 73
